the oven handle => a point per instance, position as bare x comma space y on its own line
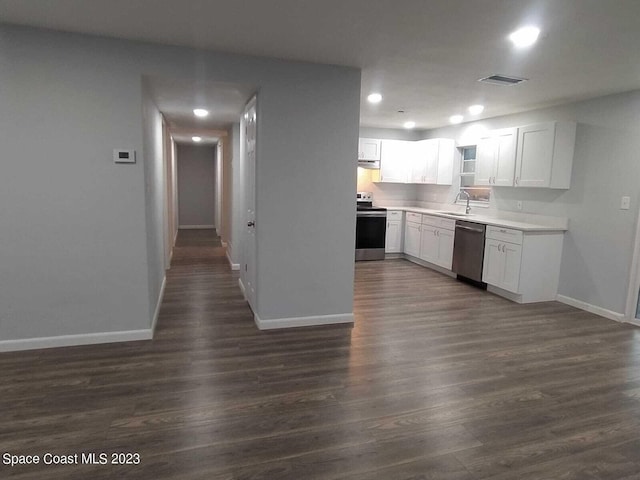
371, 214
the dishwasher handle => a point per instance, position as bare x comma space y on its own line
469, 229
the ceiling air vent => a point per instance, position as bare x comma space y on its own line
503, 80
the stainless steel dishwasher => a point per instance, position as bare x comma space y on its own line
468, 250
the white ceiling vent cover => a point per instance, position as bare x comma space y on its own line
503, 80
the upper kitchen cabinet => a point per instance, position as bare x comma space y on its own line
369, 149
544, 155
395, 160
432, 161
496, 158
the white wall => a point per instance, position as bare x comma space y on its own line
599, 245
73, 243
234, 244
80, 246
196, 185
155, 191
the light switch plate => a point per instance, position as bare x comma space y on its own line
625, 203
124, 156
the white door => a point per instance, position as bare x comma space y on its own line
248, 270
505, 157
429, 244
368, 149
428, 151
493, 266
512, 257
394, 161
535, 155
394, 236
445, 252
412, 239
485, 161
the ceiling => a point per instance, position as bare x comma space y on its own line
176, 99
424, 56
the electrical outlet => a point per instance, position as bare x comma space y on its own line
625, 203
519, 205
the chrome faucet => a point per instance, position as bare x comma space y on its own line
468, 209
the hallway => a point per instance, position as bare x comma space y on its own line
436, 380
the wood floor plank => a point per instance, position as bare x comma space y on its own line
436, 380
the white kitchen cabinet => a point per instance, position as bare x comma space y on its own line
501, 266
522, 266
432, 161
395, 161
436, 243
496, 158
393, 242
369, 149
544, 155
412, 231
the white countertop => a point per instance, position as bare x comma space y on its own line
525, 226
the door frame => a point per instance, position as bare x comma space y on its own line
633, 292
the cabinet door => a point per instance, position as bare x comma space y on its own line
445, 250
505, 157
429, 244
426, 160
412, 232
534, 157
394, 161
393, 243
485, 160
511, 274
493, 264
446, 154
369, 149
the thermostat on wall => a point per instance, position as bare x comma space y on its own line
124, 156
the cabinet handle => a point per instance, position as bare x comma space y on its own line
517, 180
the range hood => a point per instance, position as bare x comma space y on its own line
375, 164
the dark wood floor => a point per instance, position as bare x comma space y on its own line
437, 380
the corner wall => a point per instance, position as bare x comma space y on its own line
81, 242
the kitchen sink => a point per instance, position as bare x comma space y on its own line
457, 214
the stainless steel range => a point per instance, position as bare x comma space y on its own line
371, 228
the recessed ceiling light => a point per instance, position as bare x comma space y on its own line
525, 36
476, 109
374, 98
196, 139
456, 119
409, 124
200, 112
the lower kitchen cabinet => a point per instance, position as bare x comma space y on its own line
522, 266
436, 245
502, 264
393, 242
412, 238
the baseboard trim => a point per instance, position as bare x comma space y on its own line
154, 320
432, 266
314, 320
75, 340
234, 266
196, 227
603, 312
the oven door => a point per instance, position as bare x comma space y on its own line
371, 230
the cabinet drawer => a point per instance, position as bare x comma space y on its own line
414, 217
445, 223
504, 234
394, 214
